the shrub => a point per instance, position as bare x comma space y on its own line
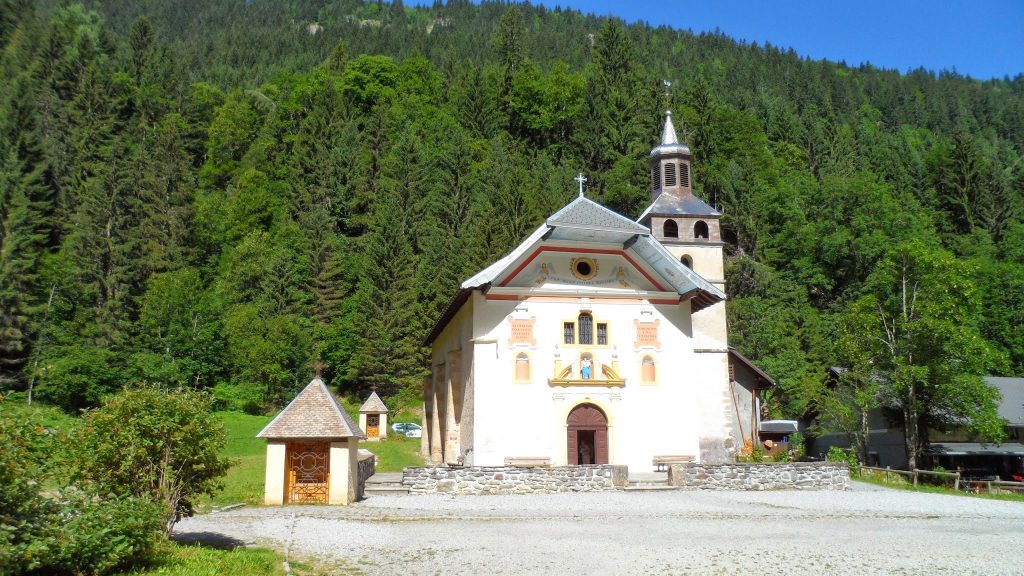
159, 445
69, 534
837, 454
98, 537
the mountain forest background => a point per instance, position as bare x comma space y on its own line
213, 194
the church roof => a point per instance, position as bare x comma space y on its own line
314, 413
585, 213
669, 205
373, 405
583, 223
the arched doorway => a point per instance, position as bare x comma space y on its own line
587, 427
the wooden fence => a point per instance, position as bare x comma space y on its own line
990, 486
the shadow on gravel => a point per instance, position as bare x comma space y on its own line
211, 539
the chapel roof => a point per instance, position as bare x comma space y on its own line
585, 213
584, 222
314, 413
671, 205
373, 405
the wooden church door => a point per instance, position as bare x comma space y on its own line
307, 472
587, 441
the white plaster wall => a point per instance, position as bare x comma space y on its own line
517, 419
273, 484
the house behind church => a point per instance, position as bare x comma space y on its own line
598, 339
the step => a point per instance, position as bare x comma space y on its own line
382, 489
649, 488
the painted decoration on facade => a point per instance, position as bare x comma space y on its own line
546, 273
522, 331
646, 334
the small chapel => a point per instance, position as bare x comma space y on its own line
597, 340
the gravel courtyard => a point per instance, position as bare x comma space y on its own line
863, 531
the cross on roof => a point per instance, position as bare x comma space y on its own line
318, 367
581, 179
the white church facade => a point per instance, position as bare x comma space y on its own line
598, 339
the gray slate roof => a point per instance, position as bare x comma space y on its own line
585, 213
669, 205
314, 413
1012, 405
373, 405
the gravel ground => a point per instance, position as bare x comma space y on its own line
863, 531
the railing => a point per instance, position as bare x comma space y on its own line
914, 474
976, 486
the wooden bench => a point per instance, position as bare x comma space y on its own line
660, 462
527, 461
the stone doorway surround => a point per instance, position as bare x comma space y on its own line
587, 436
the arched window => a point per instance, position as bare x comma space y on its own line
700, 229
671, 229
687, 261
586, 328
647, 374
522, 367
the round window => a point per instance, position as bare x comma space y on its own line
584, 268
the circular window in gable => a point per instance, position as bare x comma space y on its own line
584, 268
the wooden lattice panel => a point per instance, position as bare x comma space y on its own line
522, 331
308, 472
646, 334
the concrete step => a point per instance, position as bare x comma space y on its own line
649, 488
386, 491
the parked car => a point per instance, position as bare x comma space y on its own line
409, 429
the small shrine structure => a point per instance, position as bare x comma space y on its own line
312, 451
373, 418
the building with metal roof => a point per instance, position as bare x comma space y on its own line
593, 313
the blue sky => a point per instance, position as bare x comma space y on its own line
979, 38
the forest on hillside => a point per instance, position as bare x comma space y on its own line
212, 194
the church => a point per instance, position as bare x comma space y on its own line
597, 340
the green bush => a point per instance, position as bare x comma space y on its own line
99, 537
160, 445
837, 454
68, 534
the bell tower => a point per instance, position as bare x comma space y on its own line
686, 225
670, 164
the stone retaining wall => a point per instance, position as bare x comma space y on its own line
762, 476
367, 467
514, 480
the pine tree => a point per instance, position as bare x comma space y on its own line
21, 245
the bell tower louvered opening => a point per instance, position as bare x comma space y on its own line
670, 174
684, 174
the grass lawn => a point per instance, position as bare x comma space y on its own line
195, 560
395, 452
901, 483
244, 481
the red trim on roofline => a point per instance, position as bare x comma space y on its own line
584, 251
501, 296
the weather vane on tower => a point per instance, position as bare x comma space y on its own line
668, 93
